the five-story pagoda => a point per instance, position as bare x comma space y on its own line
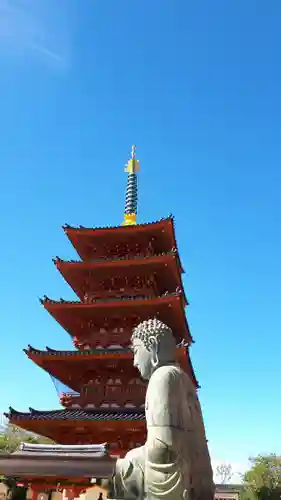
126, 274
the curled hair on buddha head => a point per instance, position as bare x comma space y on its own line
153, 330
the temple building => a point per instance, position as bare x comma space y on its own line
228, 491
125, 275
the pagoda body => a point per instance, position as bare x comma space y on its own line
125, 275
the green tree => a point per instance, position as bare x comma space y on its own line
263, 480
13, 436
9, 442
247, 494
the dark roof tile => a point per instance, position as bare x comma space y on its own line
75, 353
78, 414
67, 227
112, 258
147, 298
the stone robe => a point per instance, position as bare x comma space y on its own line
174, 463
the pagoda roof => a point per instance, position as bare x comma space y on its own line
71, 367
125, 261
169, 308
75, 272
83, 450
118, 427
81, 415
78, 463
85, 354
121, 228
73, 364
80, 236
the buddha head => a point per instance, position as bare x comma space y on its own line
153, 345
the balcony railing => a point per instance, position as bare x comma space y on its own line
99, 395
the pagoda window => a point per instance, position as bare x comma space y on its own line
118, 329
114, 394
136, 381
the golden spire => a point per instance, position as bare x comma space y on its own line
131, 205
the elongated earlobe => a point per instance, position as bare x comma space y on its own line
154, 360
154, 351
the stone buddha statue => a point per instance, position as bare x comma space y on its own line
174, 463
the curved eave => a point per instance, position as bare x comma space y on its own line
101, 231
77, 415
136, 306
118, 262
45, 359
69, 367
94, 428
91, 354
76, 234
70, 269
51, 304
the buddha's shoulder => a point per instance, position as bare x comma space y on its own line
167, 373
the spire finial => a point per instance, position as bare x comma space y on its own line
132, 167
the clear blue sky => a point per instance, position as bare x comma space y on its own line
196, 85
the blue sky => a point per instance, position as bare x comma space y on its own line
196, 85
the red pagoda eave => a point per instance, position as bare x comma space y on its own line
135, 262
32, 425
169, 308
106, 417
137, 228
73, 364
74, 367
91, 354
74, 272
90, 417
72, 426
80, 236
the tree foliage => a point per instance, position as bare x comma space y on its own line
10, 440
264, 478
13, 436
